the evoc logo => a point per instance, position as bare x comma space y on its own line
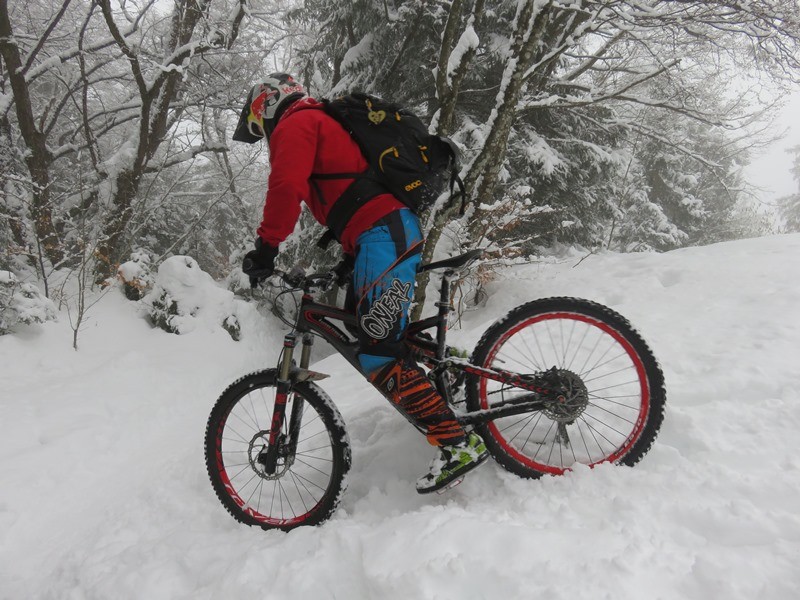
386, 311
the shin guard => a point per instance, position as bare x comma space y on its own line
407, 387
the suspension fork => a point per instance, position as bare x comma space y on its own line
283, 388
298, 405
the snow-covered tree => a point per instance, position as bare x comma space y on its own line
547, 100
789, 206
617, 57
97, 97
22, 302
596, 123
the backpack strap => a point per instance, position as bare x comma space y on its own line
328, 176
456, 180
362, 190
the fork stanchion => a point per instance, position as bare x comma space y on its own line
283, 387
305, 354
289, 343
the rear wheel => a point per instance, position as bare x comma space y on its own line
309, 479
613, 405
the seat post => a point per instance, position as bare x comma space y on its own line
445, 308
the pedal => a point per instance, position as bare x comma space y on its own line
450, 485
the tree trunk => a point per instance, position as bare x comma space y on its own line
482, 175
7, 150
110, 250
156, 98
448, 91
38, 158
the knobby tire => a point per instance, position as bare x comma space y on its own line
315, 481
570, 334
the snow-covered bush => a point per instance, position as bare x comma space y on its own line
136, 276
184, 295
22, 303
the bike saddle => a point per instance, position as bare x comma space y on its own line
454, 262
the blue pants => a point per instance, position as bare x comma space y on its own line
387, 256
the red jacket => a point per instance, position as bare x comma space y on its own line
305, 141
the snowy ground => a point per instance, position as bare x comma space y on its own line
104, 492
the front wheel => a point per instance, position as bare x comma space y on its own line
313, 457
614, 405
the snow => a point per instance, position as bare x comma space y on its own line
43, 66
468, 41
539, 152
5, 102
196, 298
22, 302
119, 161
357, 52
134, 269
105, 494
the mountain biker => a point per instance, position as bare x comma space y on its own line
383, 238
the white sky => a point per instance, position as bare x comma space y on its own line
770, 170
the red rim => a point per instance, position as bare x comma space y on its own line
241, 503
644, 406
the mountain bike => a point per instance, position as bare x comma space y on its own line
555, 382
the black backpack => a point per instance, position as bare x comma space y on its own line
404, 159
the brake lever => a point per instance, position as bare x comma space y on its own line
295, 277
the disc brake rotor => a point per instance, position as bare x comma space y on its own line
258, 447
569, 396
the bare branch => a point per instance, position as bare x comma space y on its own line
120, 40
45, 35
176, 159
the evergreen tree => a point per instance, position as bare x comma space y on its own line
603, 144
789, 206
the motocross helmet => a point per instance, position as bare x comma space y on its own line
264, 106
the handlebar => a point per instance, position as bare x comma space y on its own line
297, 279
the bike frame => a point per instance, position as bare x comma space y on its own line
325, 320
321, 319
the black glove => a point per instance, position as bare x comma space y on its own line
259, 264
344, 270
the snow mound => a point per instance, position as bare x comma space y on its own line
22, 303
136, 276
184, 296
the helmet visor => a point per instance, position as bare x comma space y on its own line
265, 103
243, 132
